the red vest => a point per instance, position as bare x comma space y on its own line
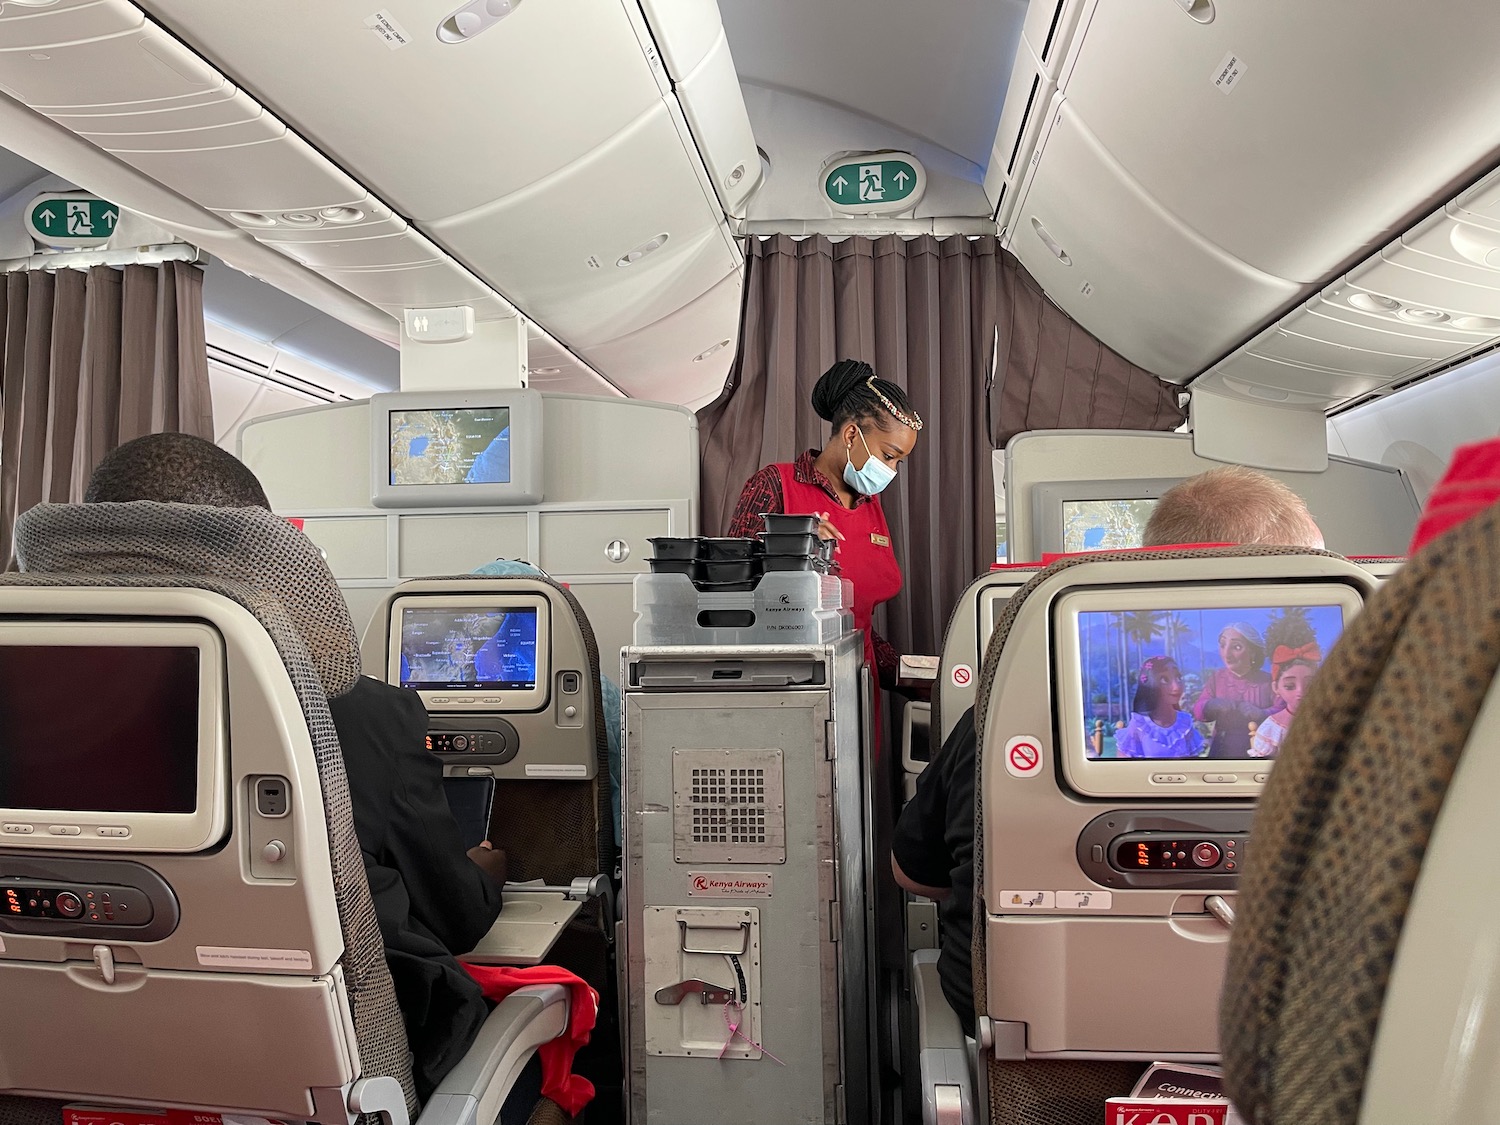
865, 554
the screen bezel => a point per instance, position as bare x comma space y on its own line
1116, 778
1048, 500
149, 831
476, 700
525, 484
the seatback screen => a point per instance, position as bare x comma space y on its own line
1221, 683
492, 649
1104, 525
465, 446
99, 729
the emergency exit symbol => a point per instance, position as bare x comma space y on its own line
875, 183
68, 219
1023, 756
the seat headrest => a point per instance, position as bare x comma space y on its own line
248, 545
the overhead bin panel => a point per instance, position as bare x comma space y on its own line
607, 270
1049, 29
1132, 274
685, 30
438, 128
1021, 122
1326, 318
1272, 380
1254, 130
714, 106
686, 355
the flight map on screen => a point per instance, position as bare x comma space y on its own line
1104, 525
490, 649
470, 446
1198, 683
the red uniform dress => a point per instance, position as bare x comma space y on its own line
865, 555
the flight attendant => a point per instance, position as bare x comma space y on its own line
874, 430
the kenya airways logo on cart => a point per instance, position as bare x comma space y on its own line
727, 884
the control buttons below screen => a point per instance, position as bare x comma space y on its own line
441, 699
18, 829
1206, 854
1260, 778
65, 830
1169, 778
491, 699
113, 830
1221, 778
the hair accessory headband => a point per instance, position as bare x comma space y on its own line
911, 420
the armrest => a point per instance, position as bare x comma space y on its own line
942, 1050
473, 1091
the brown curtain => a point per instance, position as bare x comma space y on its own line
983, 354
89, 360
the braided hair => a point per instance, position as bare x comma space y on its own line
850, 391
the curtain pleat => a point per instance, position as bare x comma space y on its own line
976, 345
91, 360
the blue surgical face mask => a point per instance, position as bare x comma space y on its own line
870, 478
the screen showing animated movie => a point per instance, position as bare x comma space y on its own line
1198, 683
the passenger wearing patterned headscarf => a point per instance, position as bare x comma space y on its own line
1237, 695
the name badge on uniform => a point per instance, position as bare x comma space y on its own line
880, 540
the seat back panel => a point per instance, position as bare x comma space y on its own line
249, 1042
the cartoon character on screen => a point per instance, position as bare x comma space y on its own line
1238, 695
1295, 657
1158, 727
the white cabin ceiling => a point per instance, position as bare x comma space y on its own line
936, 70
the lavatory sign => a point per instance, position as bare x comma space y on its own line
878, 183
71, 219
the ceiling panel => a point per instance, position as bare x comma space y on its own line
936, 70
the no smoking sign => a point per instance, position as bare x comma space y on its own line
1023, 756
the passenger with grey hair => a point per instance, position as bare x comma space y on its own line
1232, 504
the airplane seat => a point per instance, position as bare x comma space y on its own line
1363, 982
252, 976
546, 748
1097, 948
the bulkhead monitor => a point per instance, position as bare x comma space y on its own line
438, 450
112, 736
1106, 515
1180, 691
472, 652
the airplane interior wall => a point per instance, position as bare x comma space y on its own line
1362, 508
1417, 430
613, 469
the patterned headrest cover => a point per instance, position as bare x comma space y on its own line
248, 545
1351, 807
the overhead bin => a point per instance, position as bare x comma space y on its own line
1254, 130
686, 354
1126, 269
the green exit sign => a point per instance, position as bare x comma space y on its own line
71, 219
877, 184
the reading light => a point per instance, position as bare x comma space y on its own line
706, 352
341, 214
1423, 316
300, 219
473, 18
1373, 303
1477, 323
546, 370
1200, 10
631, 257
252, 219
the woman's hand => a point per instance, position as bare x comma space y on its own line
826, 530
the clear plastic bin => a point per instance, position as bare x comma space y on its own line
786, 607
